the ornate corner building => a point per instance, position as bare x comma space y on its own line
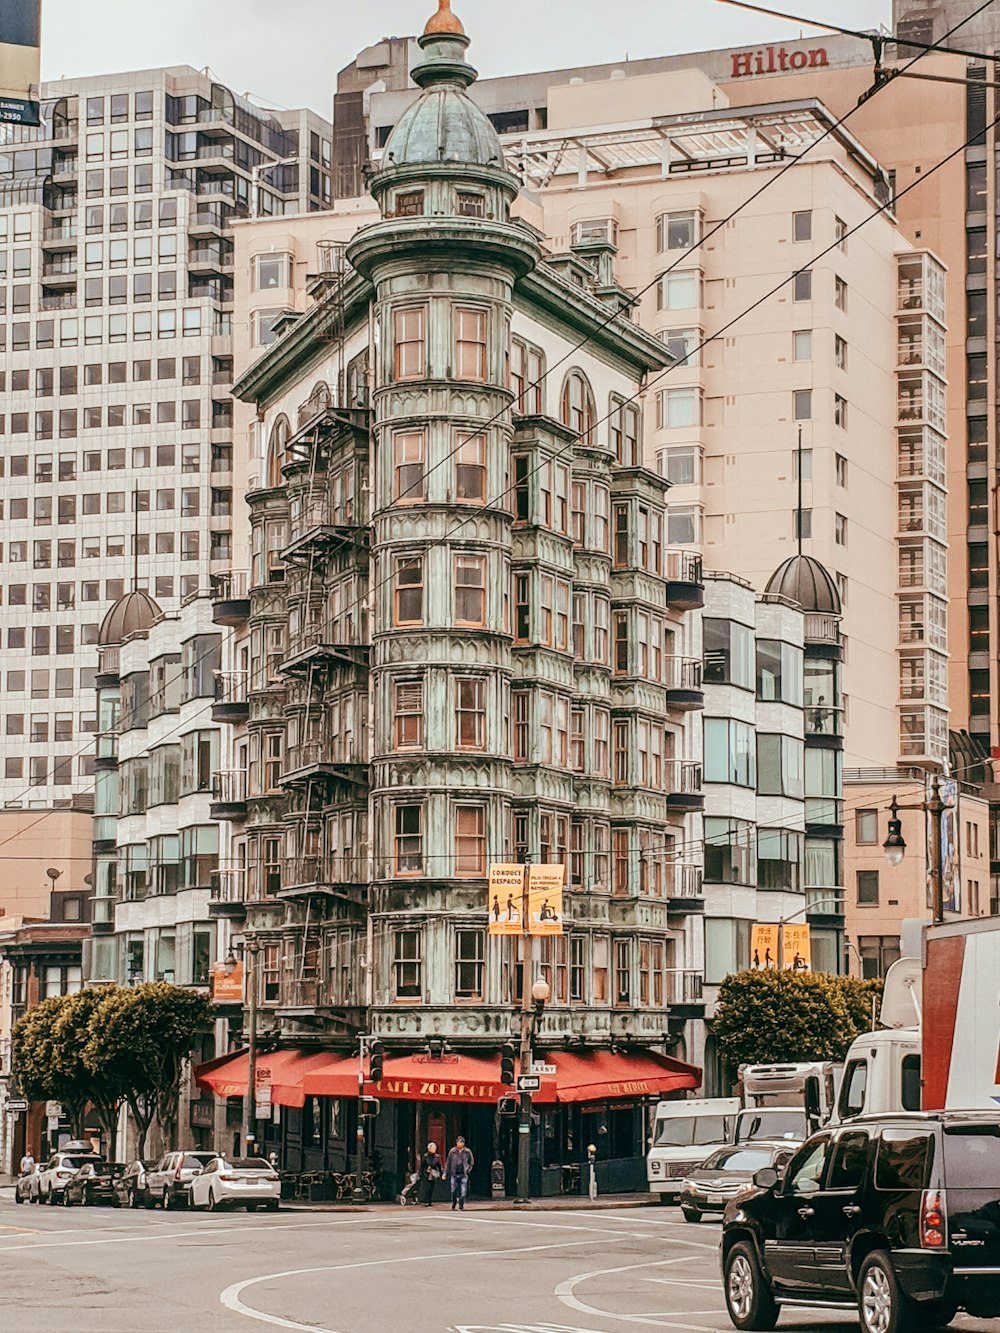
463, 640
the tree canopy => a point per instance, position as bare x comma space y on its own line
110, 1045
767, 1017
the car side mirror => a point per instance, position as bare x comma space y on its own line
766, 1178
197, 1171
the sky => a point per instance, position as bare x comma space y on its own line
286, 53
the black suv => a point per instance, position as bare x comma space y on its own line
895, 1215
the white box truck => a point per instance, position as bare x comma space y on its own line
684, 1134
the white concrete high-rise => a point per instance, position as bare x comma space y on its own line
116, 277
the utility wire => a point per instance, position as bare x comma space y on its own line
611, 318
871, 35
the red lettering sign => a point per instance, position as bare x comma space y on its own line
775, 60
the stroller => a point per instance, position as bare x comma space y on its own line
409, 1194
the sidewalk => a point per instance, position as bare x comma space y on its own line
559, 1201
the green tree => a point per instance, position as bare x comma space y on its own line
48, 1056
766, 1017
140, 1038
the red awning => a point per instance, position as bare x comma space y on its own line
591, 1076
599, 1076
284, 1070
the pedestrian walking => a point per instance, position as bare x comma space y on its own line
457, 1170
27, 1163
431, 1171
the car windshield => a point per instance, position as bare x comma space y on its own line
76, 1162
739, 1159
774, 1125
192, 1162
685, 1131
249, 1164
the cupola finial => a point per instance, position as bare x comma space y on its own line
444, 21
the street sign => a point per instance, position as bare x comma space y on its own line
544, 1069
53, 1110
17, 1104
529, 1083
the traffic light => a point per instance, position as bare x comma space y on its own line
369, 1107
507, 1106
508, 1054
376, 1053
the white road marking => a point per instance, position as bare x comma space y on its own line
565, 1292
207, 1230
231, 1296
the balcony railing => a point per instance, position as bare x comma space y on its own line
682, 880
231, 687
229, 786
684, 985
230, 585
683, 567
229, 884
683, 776
304, 993
682, 673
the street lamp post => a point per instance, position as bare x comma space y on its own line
783, 921
250, 949
895, 844
532, 1003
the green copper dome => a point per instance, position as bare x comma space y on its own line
443, 124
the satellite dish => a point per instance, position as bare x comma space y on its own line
53, 874
902, 998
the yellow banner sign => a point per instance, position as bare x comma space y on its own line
796, 949
545, 899
505, 899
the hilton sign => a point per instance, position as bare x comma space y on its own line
775, 60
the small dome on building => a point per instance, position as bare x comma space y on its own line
803, 580
444, 20
443, 126
131, 614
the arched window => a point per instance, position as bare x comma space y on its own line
577, 406
280, 432
318, 401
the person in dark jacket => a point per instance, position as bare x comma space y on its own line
431, 1170
457, 1169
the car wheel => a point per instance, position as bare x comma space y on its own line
748, 1298
272, 1205
882, 1307
691, 1214
214, 1206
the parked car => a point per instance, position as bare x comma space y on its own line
26, 1186
93, 1183
58, 1169
897, 1216
131, 1186
169, 1181
236, 1181
728, 1174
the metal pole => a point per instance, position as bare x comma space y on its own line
523, 1192
358, 1194
781, 944
935, 809
250, 949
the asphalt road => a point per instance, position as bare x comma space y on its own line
96, 1270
